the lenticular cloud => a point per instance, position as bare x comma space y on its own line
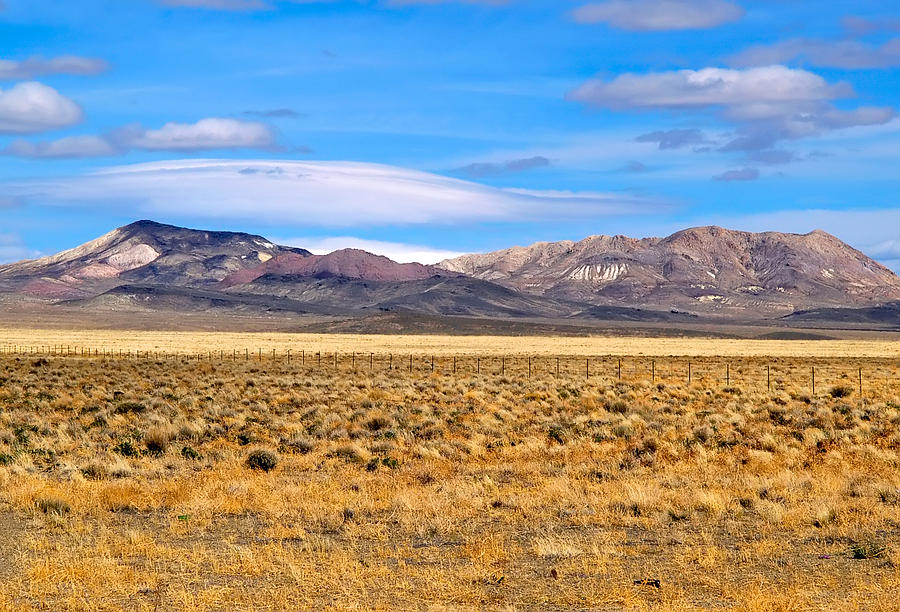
314, 193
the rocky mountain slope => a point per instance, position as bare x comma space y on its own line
142, 252
704, 269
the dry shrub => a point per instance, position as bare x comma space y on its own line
157, 439
262, 459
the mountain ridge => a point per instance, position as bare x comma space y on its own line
706, 271
707, 268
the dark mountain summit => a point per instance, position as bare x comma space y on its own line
142, 252
346, 263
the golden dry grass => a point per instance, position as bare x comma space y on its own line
125, 484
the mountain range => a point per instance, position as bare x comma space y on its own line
704, 273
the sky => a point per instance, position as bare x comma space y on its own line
422, 129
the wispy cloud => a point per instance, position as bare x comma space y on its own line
71, 147
336, 194
398, 251
634, 167
674, 139
12, 248
660, 15
275, 113
224, 5
482, 169
744, 174
861, 26
414, 2
265, 5
846, 54
37, 66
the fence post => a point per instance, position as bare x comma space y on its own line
860, 384
478, 366
814, 380
619, 375
587, 367
689, 372
557, 367
652, 372
432, 363
410, 363
371, 360
529, 367
727, 374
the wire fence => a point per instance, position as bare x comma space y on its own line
861, 375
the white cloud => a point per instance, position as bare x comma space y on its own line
768, 104
660, 15
213, 133
38, 66
747, 93
340, 194
33, 107
398, 251
205, 135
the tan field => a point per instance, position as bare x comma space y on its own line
214, 482
222, 342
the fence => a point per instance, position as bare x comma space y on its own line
810, 376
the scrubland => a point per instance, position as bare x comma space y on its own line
220, 484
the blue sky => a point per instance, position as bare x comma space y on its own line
424, 128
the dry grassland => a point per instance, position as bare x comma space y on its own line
198, 484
